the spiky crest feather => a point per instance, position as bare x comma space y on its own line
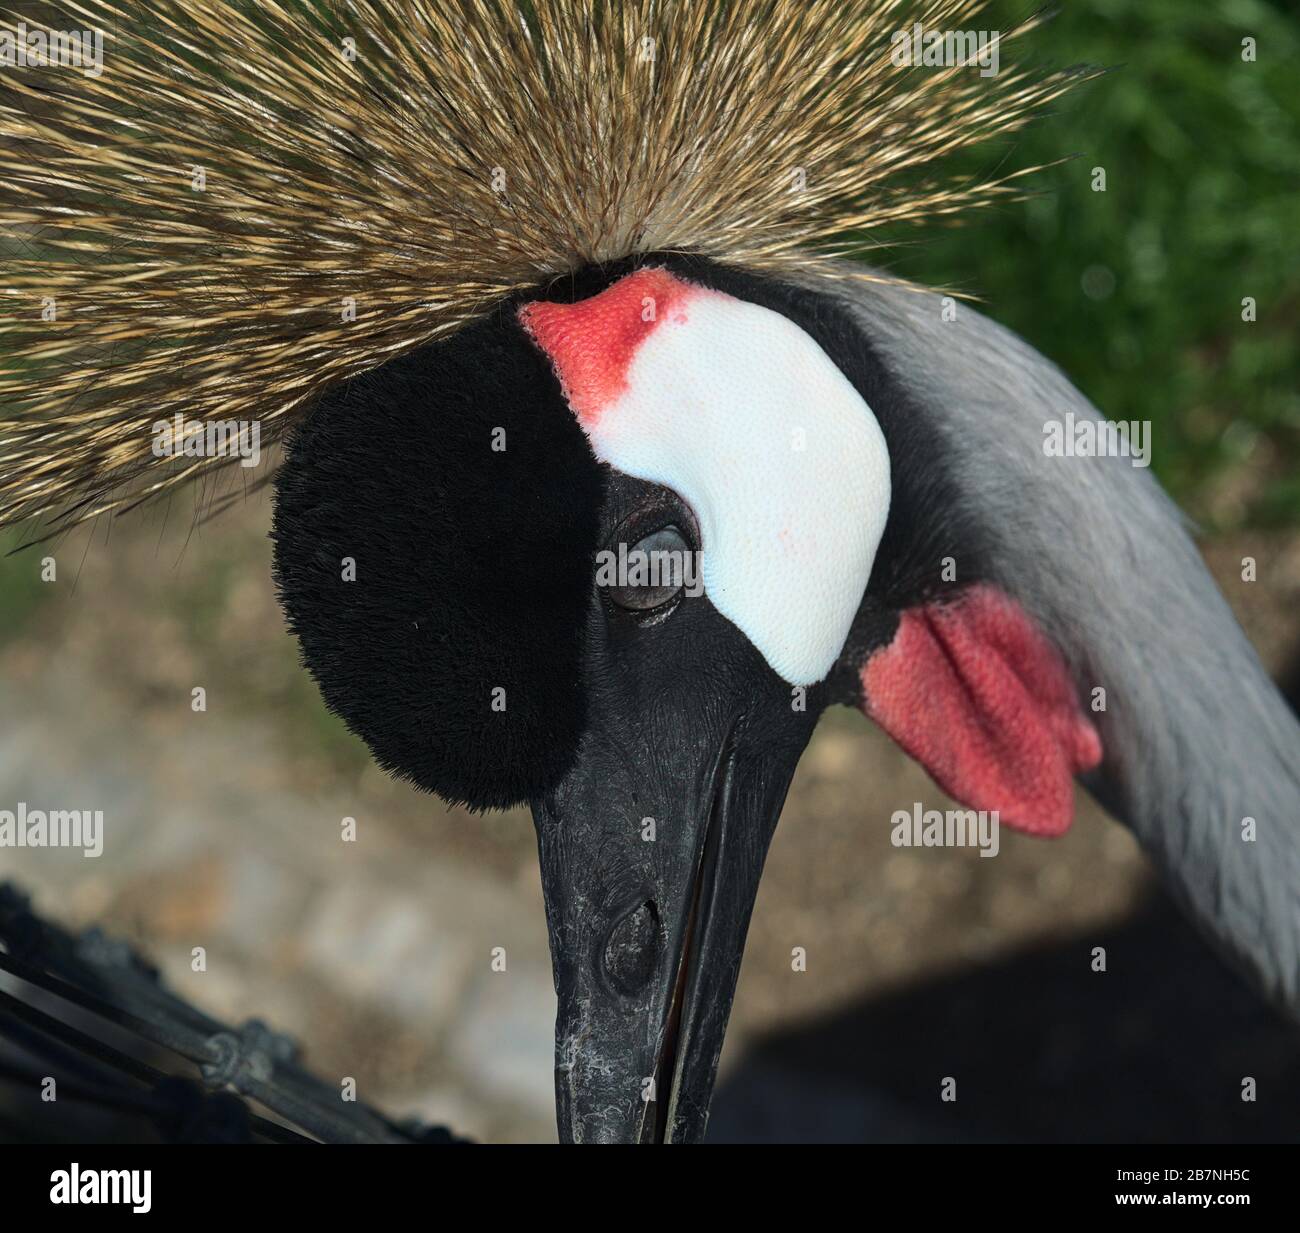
452, 153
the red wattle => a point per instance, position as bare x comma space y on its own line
974, 692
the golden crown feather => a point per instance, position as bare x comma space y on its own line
186, 230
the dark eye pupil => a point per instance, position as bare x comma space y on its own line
650, 572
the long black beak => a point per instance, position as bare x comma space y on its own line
651, 854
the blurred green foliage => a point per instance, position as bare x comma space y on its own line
1137, 291
21, 588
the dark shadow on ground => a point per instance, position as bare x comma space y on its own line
1043, 1049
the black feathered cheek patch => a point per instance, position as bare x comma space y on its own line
434, 527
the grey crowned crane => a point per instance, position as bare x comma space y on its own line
535, 288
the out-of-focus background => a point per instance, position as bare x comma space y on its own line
223, 827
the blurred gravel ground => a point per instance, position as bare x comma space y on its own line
223, 831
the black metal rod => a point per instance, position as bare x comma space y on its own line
178, 1039
67, 1034
109, 981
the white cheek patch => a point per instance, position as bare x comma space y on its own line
742, 414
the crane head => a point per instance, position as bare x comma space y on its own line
611, 551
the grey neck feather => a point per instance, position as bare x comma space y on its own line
1197, 737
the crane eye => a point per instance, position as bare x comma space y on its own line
649, 573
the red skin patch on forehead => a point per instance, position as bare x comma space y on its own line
592, 343
976, 693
